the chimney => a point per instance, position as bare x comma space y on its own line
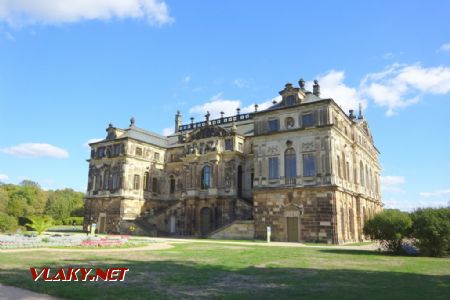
177, 121
316, 88
360, 114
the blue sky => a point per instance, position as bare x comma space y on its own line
68, 68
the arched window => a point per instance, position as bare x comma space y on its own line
146, 181
361, 173
136, 182
206, 177
290, 163
172, 184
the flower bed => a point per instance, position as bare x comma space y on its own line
22, 241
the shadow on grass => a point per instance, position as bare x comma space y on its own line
169, 279
355, 252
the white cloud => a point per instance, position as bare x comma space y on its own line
9, 36
408, 205
392, 184
241, 83
444, 48
94, 140
332, 86
186, 79
388, 55
18, 13
217, 104
400, 86
167, 131
34, 150
4, 177
439, 193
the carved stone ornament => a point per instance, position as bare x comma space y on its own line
207, 132
308, 146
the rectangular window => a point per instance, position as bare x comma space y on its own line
156, 156
229, 144
307, 120
117, 149
138, 151
136, 182
101, 152
290, 100
274, 125
309, 165
273, 168
240, 147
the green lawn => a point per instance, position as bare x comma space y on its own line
203, 270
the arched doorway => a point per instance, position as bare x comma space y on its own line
239, 182
205, 221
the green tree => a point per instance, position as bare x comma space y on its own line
4, 199
431, 228
7, 223
390, 227
63, 204
40, 223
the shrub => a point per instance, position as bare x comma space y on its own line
431, 228
70, 220
390, 227
7, 223
40, 223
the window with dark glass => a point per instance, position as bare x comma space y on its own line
155, 185
117, 149
309, 165
106, 181
307, 120
290, 100
290, 163
115, 181
273, 168
101, 152
206, 177
139, 151
146, 181
172, 184
136, 182
229, 144
274, 125
156, 156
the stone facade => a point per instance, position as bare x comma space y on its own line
303, 167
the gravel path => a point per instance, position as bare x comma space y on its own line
155, 246
13, 293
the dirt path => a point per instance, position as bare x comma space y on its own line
372, 247
154, 246
13, 293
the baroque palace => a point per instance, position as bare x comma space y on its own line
303, 166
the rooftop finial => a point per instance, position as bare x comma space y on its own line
238, 110
132, 121
256, 107
207, 117
360, 114
301, 83
316, 88
221, 114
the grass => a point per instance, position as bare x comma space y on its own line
226, 271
